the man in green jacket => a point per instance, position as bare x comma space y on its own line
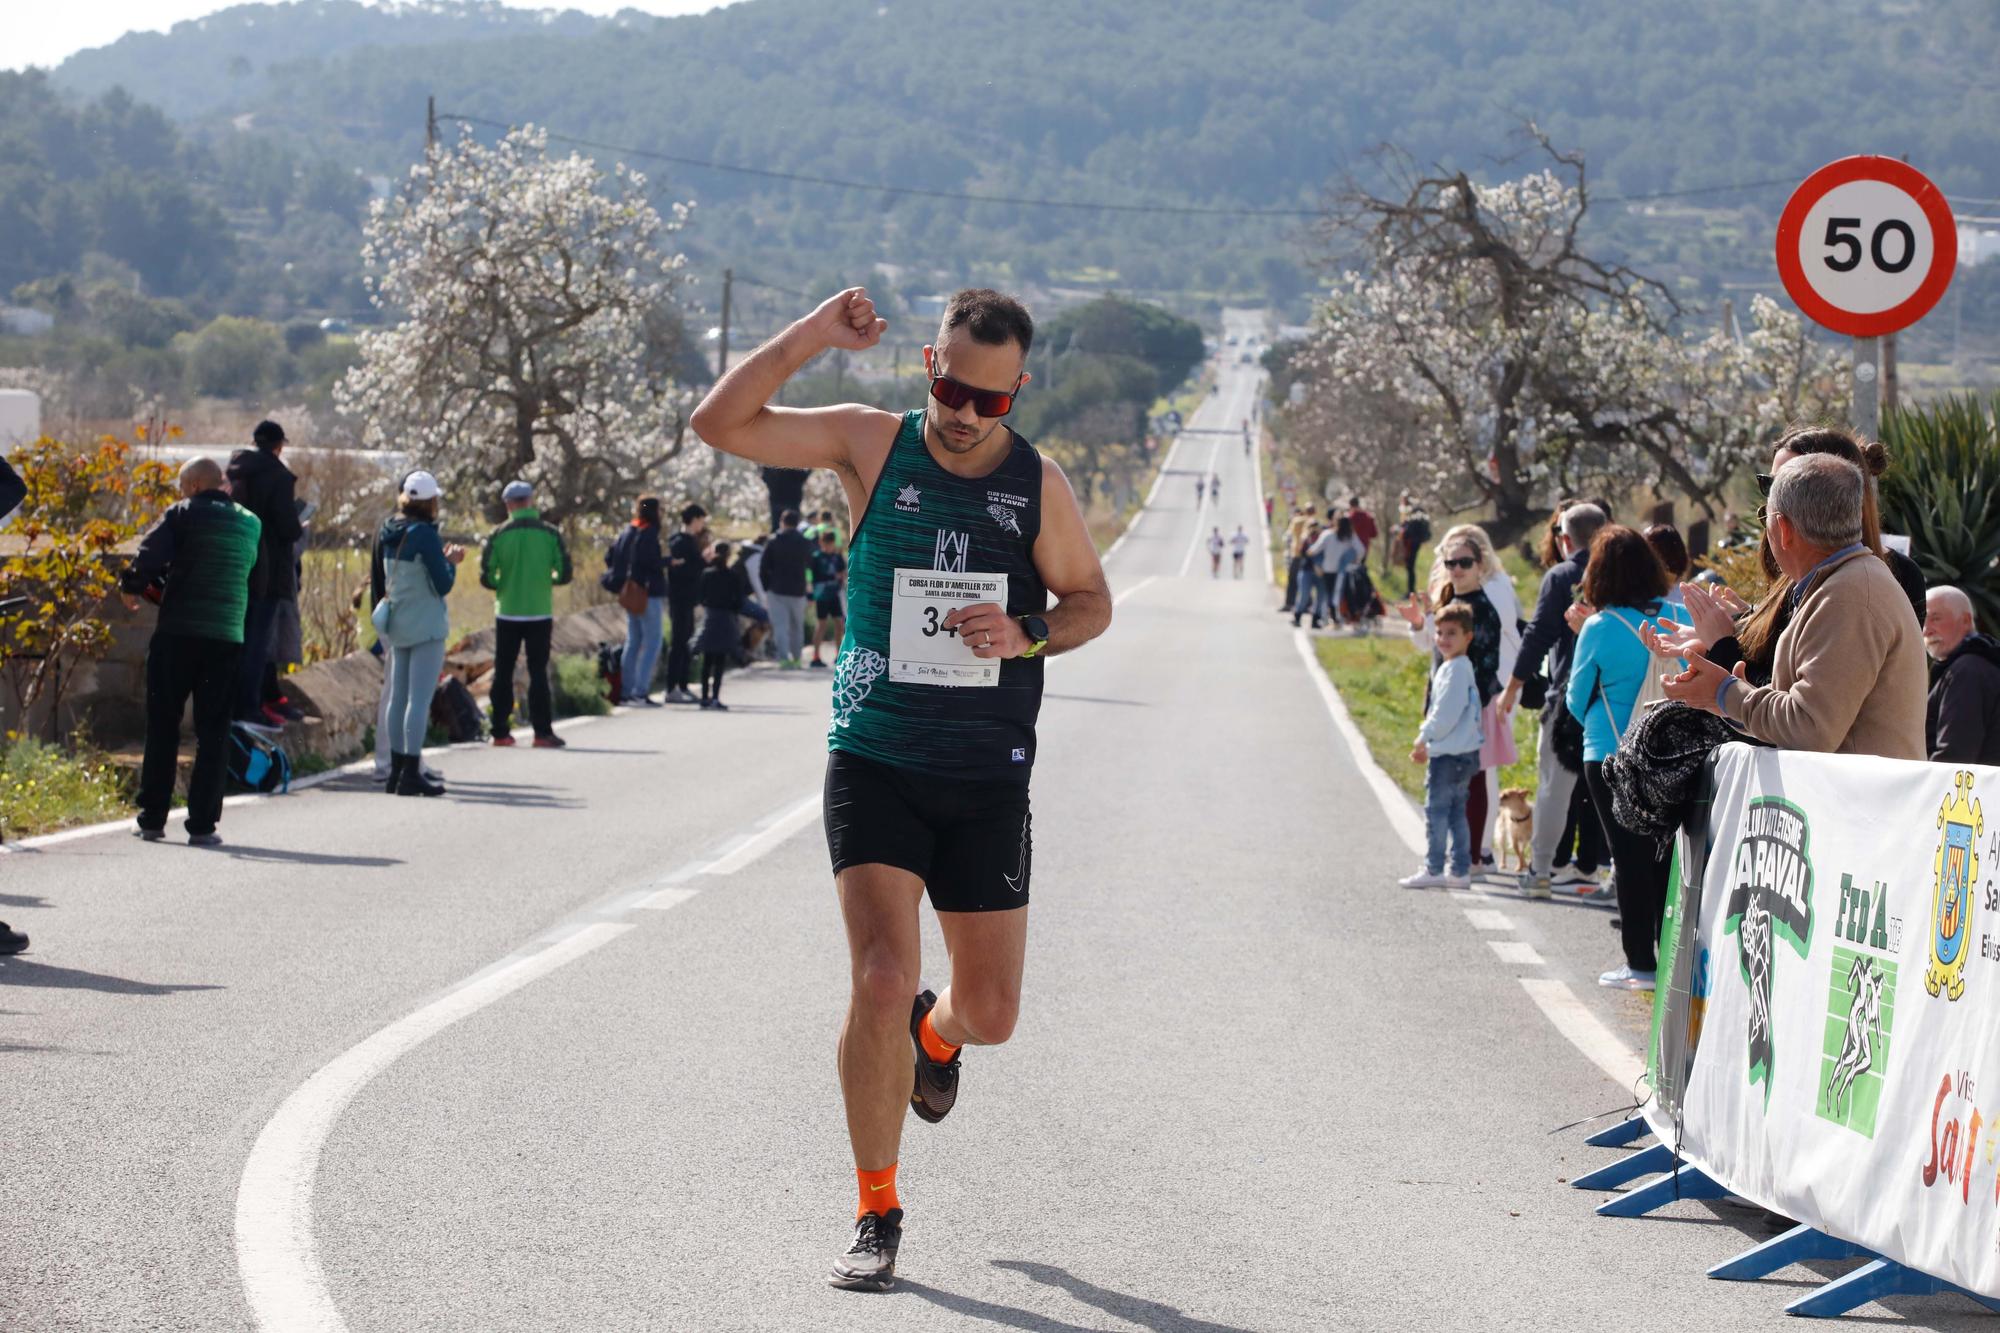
523, 563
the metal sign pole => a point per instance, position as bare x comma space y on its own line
1866, 415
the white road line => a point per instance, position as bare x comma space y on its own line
1485, 918
275, 1251
282, 1278
1585, 1031
1516, 951
1402, 816
1201, 507
1119, 600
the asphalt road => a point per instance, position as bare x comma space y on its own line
556, 1052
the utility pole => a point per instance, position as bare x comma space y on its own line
430, 127
722, 354
1890, 396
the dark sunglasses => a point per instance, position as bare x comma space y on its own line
1763, 483
1462, 562
986, 402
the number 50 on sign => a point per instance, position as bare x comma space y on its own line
1866, 246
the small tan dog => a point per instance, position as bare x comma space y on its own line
1514, 827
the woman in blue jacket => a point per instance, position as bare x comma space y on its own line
1624, 588
413, 573
637, 555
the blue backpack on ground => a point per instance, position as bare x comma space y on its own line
257, 763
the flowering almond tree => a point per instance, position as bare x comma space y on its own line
536, 331
1476, 352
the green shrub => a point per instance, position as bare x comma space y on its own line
44, 788
577, 688
1943, 490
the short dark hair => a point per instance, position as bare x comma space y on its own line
1456, 613
721, 550
693, 512
647, 509
267, 435
828, 535
1354, 502
990, 318
1623, 570
789, 519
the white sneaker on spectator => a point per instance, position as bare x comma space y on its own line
1569, 877
1535, 886
1624, 978
1457, 882
1424, 879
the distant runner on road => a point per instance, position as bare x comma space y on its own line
1215, 487
1215, 545
1200, 490
1239, 542
961, 533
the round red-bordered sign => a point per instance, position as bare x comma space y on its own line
1867, 246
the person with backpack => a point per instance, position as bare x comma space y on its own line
412, 573
199, 563
637, 573
524, 562
1613, 674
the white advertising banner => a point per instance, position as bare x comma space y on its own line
1846, 996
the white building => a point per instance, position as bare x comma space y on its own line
20, 417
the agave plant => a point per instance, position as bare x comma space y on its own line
1943, 490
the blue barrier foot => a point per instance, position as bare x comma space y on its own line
1646, 1162
1871, 1282
1617, 1136
1796, 1246
1686, 1183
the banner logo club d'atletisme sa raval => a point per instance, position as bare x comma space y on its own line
1770, 898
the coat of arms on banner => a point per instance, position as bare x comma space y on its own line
1955, 871
1770, 897
1860, 1007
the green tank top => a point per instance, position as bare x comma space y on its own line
943, 532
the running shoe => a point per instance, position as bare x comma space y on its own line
152, 834
816, 664
870, 1263
1425, 879
936, 1089
1624, 978
1569, 877
550, 742
204, 839
502, 738
1535, 886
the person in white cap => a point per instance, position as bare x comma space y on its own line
523, 563
410, 576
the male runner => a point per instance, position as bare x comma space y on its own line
1200, 491
1215, 487
960, 534
1239, 542
1215, 545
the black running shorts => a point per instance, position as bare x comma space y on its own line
970, 841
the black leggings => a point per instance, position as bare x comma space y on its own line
1642, 877
712, 665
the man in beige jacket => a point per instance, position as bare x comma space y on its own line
1849, 676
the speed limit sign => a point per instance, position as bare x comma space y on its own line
1867, 246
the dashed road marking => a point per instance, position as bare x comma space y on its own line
1516, 951
1487, 919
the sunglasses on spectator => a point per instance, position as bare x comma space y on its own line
986, 402
1463, 562
1763, 483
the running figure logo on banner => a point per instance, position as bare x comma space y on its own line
1960, 823
1860, 1007
1771, 897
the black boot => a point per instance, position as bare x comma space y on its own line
397, 763
412, 782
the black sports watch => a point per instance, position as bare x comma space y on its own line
1037, 630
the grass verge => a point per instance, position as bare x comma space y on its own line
1381, 680
44, 788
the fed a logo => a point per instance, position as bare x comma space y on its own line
1954, 870
1771, 897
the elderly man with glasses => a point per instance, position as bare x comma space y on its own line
1849, 672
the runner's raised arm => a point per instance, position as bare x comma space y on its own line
737, 416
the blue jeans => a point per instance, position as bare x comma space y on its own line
1447, 783
413, 679
642, 649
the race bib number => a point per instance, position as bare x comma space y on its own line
921, 650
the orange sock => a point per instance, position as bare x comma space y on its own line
878, 1190
934, 1045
